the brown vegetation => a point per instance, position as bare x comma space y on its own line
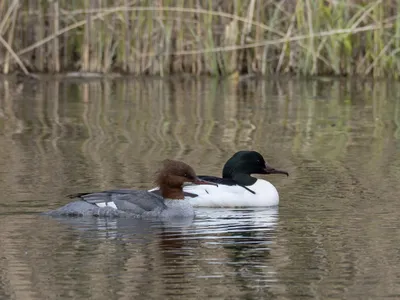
304, 37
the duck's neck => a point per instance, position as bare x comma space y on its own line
243, 179
172, 193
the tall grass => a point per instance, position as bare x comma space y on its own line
303, 37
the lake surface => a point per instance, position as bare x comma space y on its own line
335, 235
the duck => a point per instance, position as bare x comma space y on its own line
170, 203
236, 188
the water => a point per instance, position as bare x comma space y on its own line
335, 234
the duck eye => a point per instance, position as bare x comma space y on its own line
188, 176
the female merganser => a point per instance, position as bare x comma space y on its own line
236, 188
139, 203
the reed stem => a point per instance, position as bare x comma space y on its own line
303, 37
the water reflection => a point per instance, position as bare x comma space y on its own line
336, 233
123, 256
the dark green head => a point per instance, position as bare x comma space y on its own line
247, 163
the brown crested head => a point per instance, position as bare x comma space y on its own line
173, 176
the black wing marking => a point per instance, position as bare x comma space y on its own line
218, 180
77, 195
186, 194
124, 199
225, 181
104, 193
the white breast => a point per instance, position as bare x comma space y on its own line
178, 208
234, 196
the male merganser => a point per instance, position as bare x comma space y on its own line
140, 203
236, 188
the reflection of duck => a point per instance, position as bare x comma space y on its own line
237, 188
219, 220
244, 235
172, 203
222, 245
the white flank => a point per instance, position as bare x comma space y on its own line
105, 204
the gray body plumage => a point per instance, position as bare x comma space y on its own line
128, 203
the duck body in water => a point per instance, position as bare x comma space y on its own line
140, 203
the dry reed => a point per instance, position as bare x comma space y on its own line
303, 37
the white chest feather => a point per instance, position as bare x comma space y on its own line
178, 208
265, 194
